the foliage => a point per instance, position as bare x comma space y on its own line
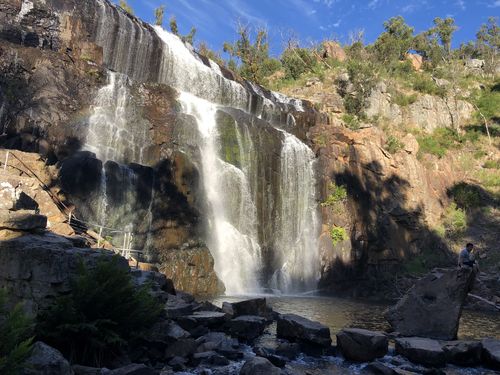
466, 196
124, 5
337, 194
103, 312
174, 28
393, 145
439, 141
487, 102
444, 29
253, 55
159, 12
15, 332
297, 61
362, 77
455, 220
403, 100
426, 85
351, 121
204, 50
338, 234
394, 43
488, 42
492, 164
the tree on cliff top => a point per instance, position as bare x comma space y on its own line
188, 38
256, 64
159, 13
124, 5
394, 43
445, 28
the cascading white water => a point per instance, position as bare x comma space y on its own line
297, 226
232, 237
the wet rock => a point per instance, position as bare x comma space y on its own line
177, 306
22, 220
259, 366
362, 345
210, 319
491, 353
298, 328
181, 348
377, 368
178, 363
439, 297
255, 306
246, 327
420, 350
221, 343
134, 369
192, 270
463, 353
210, 358
290, 350
46, 360
85, 370
271, 355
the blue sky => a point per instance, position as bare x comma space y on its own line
315, 20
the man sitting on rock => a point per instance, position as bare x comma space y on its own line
465, 259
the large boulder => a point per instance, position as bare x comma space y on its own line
298, 328
463, 353
333, 50
24, 220
491, 353
45, 360
362, 345
255, 306
246, 327
259, 366
439, 297
421, 350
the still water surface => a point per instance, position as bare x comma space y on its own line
338, 313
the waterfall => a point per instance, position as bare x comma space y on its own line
232, 237
297, 224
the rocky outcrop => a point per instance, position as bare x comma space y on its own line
362, 345
428, 112
439, 297
333, 50
424, 351
46, 360
491, 353
192, 270
300, 329
35, 268
463, 353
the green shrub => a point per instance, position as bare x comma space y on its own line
455, 220
492, 164
297, 61
488, 103
426, 85
466, 196
393, 145
338, 234
439, 141
478, 154
402, 99
15, 337
362, 75
351, 121
101, 314
489, 178
337, 194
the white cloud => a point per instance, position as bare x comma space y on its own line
461, 4
495, 4
373, 4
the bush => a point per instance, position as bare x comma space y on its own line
488, 103
455, 220
466, 196
15, 337
337, 194
426, 85
393, 145
351, 121
363, 78
338, 234
103, 312
439, 141
297, 61
402, 99
492, 164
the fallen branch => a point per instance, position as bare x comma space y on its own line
484, 300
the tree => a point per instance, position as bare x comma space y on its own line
427, 45
488, 42
445, 28
253, 55
394, 43
159, 13
15, 334
188, 38
124, 5
102, 314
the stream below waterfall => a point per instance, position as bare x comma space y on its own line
338, 313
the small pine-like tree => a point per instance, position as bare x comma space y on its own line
103, 312
127, 8
159, 13
15, 337
444, 29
